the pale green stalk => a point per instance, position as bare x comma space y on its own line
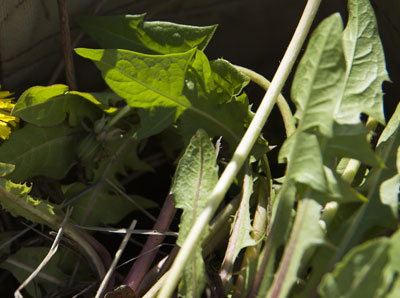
284, 109
242, 151
353, 165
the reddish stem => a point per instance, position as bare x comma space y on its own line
149, 251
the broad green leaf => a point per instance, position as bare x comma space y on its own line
26, 260
362, 273
306, 233
49, 106
195, 178
366, 71
131, 32
14, 198
144, 81
154, 121
318, 76
105, 198
39, 151
181, 81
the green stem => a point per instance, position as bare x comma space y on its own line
287, 116
121, 113
353, 165
242, 151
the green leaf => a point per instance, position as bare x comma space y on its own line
195, 178
144, 81
39, 151
303, 154
181, 81
154, 121
240, 236
337, 190
351, 141
49, 106
218, 113
105, 198
366, 71
394, 251
6, 169
306, 233
26, 260
243, 220
131, 32
382, 209
390, 190
230, 82
282, 222
362, 273
14, 198
320, 72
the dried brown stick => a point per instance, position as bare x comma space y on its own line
60, 65
66, 44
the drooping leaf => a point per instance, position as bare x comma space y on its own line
131, 32
49, 106
22, 263
366, 71
39, 151
107, 197
195, 178
362, 273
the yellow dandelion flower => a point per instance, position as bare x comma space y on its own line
7, 121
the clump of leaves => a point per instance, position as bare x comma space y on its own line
328, 227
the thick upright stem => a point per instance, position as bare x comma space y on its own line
242, 151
